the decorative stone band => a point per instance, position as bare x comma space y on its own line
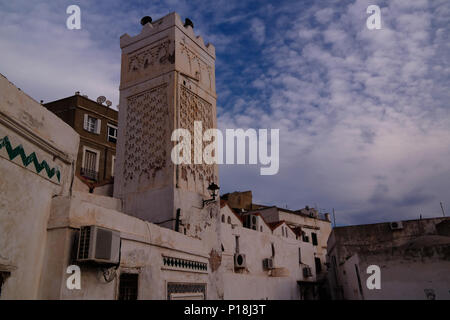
30, 136
173, 263
27, 160
179, 288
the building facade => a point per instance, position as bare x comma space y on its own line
96, 124
413, 258
306, 225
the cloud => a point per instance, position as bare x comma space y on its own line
355, 104
324, 15
363, 114
258, 30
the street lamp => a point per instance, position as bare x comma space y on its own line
212, 189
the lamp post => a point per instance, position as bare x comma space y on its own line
212, 188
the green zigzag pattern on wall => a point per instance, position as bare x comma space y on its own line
32, 158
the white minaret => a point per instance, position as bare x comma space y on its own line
167, 82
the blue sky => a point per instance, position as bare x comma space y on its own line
363, 114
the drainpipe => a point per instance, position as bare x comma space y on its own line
177, 220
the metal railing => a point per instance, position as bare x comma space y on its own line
89, 174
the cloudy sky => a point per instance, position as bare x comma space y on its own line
363, 114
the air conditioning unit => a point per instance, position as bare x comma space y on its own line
268, 263
100, 245
240, 261
307, 272
398, 225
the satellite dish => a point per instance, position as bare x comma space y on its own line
108, 103
101, 99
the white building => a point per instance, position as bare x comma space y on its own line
412, 257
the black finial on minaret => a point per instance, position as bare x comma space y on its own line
146, 20
188, 22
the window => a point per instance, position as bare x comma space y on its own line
112, 133
318, 265
128, 286
305, 237
314, 238
90, 162
223, 218
229, 220
92, 124
273, 250
3, 276
300, 255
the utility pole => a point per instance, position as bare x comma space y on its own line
442, 207
334, 218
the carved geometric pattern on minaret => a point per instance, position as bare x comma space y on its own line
197, 66
193, 108
146, 125
157, 55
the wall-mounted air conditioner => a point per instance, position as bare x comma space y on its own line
268, 263
307, 272
100, 245
397, 225
240, 261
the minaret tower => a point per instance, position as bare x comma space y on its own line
167, 82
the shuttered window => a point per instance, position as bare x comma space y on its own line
90, 160
91, 124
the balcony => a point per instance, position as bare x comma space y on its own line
89, 174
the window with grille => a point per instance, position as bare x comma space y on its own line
128, 286
89, 169
90, 160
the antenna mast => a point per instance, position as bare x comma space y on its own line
334, 218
